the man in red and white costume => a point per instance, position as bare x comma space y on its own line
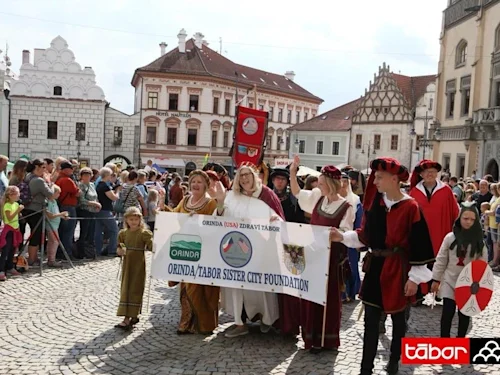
437, 202
394, 229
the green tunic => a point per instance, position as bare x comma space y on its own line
133, 270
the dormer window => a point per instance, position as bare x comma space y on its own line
57, 90
461, 54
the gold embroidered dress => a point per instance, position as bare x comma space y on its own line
199, 303
133, 270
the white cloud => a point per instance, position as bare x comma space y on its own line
334, 47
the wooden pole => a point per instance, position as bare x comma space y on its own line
326, 300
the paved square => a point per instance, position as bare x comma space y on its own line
62, 323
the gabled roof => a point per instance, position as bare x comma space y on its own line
337, 119
207, 62
413, 87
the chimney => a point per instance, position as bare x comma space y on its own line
26, 56
290, 75
163, 47
198, 40
182, 41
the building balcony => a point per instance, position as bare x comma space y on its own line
457, 12
486, 116
201, 150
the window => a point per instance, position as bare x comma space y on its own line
450, 93
214, 138
225, 140
171, 136
215, 109
359, 141
465, 95
280, 141
394, 142
173, 102
193, 102
151, 135
418, 142
289, 116
461, 54
271, 113
376, 141
80, 131
302, 147
192, 137
152, 100
57, 90
118, 136
306, 114
497, 93
261, 107
23, 127
250, 105
51, 129
335, 148
319, 147
497, 38
269, 142
431, 104
297, 117
377, 111
227, 108
280, 115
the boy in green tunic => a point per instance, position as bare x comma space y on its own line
137, 239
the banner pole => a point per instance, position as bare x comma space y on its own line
326, 300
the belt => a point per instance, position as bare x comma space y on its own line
384, 253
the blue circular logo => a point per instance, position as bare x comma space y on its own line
236, 249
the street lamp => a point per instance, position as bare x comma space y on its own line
425, 142
78, 144
369, 146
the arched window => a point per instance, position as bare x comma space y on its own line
57, 90
461, 54
497, 38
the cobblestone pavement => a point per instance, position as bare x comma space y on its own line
62, 323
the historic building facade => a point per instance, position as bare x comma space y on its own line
467, 131
187, 99
57, 109
390, 118
324, 139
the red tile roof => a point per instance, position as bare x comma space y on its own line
413, 87
207, 62
337, 119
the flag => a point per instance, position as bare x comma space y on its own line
228, 245
205, 161
243, 245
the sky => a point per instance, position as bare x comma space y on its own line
334, 47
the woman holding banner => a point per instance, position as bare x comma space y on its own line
249, 198
321, 324
199, 303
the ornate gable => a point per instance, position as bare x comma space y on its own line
383, 101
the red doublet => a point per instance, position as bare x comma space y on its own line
440, 212
401, 227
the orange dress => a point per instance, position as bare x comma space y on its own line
199, 303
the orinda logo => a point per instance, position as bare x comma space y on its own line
435, 351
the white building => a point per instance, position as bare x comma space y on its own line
6, 77
324, 139
57, 109
187, 98
389, 120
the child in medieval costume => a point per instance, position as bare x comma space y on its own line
460, 247
137, 239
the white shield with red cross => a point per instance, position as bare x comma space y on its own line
474, 288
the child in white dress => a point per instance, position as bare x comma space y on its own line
460, 247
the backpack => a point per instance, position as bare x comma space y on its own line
25, 197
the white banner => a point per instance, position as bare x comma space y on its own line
277, 257
282, 163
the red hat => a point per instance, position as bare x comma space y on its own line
420, 167
390, 165
213, 175
331, 171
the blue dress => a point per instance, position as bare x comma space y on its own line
353, 284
